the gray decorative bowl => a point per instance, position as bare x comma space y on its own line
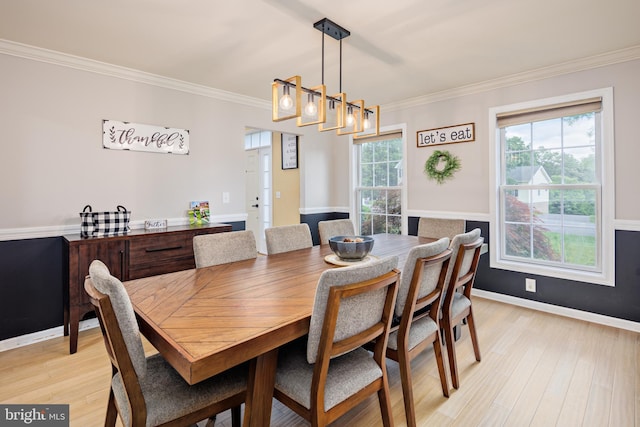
354, 250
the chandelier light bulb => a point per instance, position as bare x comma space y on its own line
350, 118
366, 123
286, 102
310, 109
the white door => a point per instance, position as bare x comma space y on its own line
258, 193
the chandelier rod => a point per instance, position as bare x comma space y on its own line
323, 57
340, 66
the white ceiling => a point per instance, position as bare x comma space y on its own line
397, 50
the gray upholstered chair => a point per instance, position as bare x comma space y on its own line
288, 238
437, 228
147, 391
352, 306
335, 227
418, 310
457, 304
222, 248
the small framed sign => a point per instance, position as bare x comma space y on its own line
117, 135
447, 135
152, 224
289, 151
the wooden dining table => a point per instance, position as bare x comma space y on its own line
204, 321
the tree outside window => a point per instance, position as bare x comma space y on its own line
380, 186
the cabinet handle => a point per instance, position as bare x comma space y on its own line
171, 248
122, 265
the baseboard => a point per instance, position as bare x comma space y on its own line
48, 334
561, 311
628, 325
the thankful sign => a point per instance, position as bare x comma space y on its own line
139, 137
447, 135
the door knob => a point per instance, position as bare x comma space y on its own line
254, 206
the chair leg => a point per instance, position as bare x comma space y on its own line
451, 353
385, 403
407, 387
437, 350
211, 422
235, 416
472, 332
112, 411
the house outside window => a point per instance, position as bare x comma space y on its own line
379, 184
552, 211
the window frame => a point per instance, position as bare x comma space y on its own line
354, 179
605, 203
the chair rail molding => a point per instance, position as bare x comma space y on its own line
60, 230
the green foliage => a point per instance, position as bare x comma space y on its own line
518, 236
562, 167
441, 166
578, 250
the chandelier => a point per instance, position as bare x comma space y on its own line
329, 112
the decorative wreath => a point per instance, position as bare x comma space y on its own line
434, 170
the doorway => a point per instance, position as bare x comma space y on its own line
258, 178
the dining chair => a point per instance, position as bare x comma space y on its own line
335, 227
457, 306
147, 391
417, 312
286, 238
333, 373
440, 227
222, 248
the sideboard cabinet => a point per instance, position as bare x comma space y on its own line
139, 253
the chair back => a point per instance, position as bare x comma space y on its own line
120, 332
463, 265
423, 277
288, 238
353, 305
222, 248
336, 227
437, 228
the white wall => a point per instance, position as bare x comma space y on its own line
52, 162
469, 191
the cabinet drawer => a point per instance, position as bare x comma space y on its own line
160, 249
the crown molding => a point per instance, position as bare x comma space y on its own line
602, 60
65, 60
21, 50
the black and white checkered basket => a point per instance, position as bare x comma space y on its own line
109, 223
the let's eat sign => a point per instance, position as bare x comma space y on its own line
447, 135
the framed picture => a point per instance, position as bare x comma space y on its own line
289, 151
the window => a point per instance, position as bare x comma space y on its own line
379, 184
554, 199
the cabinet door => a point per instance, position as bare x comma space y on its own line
112, 253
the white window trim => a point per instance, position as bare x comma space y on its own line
607, 162
353, 176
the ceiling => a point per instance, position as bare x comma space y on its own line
397, 50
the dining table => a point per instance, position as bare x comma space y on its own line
204, 321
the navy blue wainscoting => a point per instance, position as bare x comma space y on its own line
32, 273
313, 219
33, 277
621, 301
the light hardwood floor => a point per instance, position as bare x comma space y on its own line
537, 369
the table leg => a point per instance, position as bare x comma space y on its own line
262, 377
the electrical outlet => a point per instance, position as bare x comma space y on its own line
530, 285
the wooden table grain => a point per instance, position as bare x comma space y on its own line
204, 321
